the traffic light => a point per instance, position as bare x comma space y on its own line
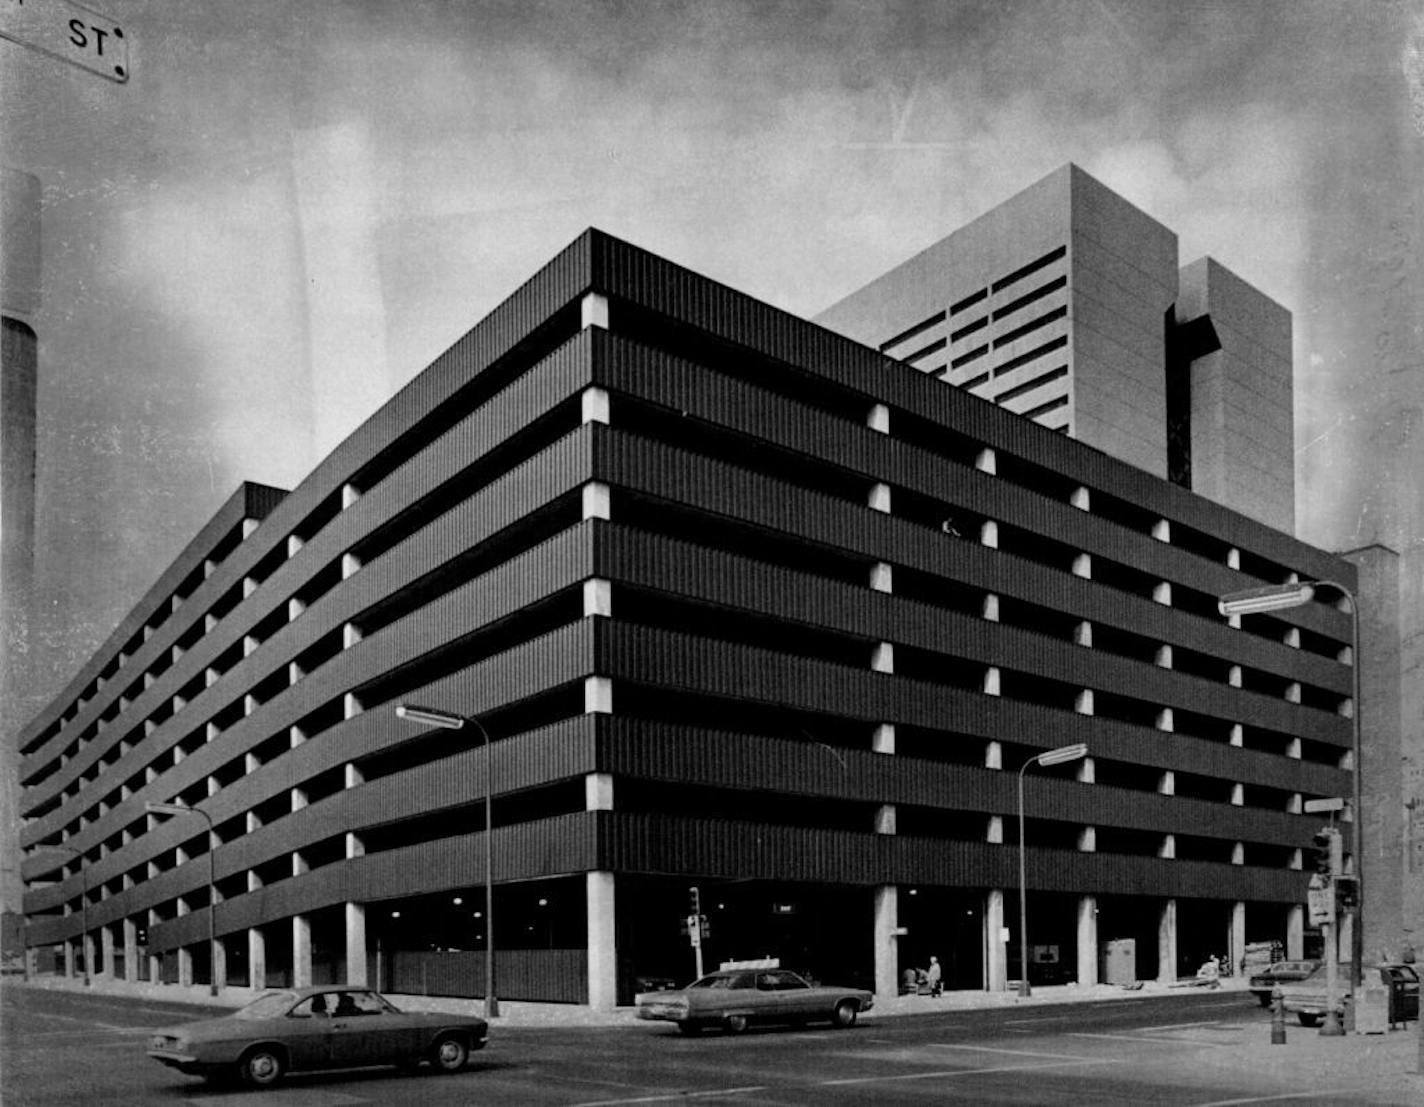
694, 902
1347, 893
704, 926
1323, 840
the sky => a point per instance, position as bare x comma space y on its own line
291, 208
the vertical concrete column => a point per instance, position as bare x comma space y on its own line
598, 792
301, 951
593, 311
990, 608
90, 949
879, 419
594, 406
185, 967
256, 959
602, 949
1167, 942
993, 755
217, 962
996, 960
596, 501
1087, 940
1238, 935
885, 819
887, 923
882, 577
879, 498
1083, 565
106, 947
1295, 932
993, 680
69, 960
598, 597
986, 461
597, 695
883, 740
989, 534
130, 950
356, 944
882, 660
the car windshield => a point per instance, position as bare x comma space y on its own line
269, 1005
724, 980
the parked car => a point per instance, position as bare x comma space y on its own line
735, 998
1279, 972
316, 1028
1307, 998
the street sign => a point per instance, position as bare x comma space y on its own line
64, 30
1321, 904
1315, 807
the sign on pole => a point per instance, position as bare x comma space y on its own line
1315, 807
64, 30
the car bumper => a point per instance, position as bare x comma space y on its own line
664, 1013
183, 1062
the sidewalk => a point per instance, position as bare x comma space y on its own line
516, 1013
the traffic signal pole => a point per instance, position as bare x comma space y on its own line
1332, 1027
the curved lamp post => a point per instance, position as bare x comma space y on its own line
430, 716
1274, 597
184, 809
1057, 756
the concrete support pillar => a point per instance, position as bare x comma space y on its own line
109, 967
1081, 498
986, 461
356, 944
598, 792
1238, 935
597, 597
1083, 565
1295, 932
989, 534
602, 950
597, 695
597, 501
1167, 942
1238, 794
879, 498
1087, 771
1162, 530
256, 959
69, 960
91, 948
1168, 847
992, 678
996, 960
882, 577
185, 967
885, 819
1238, 735
1166, 719
1087, 941
879, 419
1083, 634
301, 951
990, 609
994, 833
883, 740
887, 923
593, 311
882, 660
217, 963
993, 755
1167, 782
594, 406
1083, 703
130, 950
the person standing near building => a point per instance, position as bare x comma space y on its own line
934, 977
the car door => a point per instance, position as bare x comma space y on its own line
360, 1035
306, 1033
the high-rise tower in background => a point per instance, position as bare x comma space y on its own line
1066, 304
19, 298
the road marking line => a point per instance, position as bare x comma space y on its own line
1182, 1025
967, 1072
669, 1097
1011, 1052
1055, 1018
1277, 1098
1134, 1038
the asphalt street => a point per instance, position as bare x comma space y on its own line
1204, 1050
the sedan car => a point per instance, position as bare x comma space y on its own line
1308, 998
735, 998
330, 1027
1279, 972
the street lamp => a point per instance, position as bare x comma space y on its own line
1273, 597
83, 913
1057, 756
430, 716
183, 809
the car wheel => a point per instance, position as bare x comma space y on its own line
845, 1014
450, 1054
691, 1029
735, 1024
261, 1067
1307, 1020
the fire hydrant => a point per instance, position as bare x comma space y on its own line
1278, 1016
